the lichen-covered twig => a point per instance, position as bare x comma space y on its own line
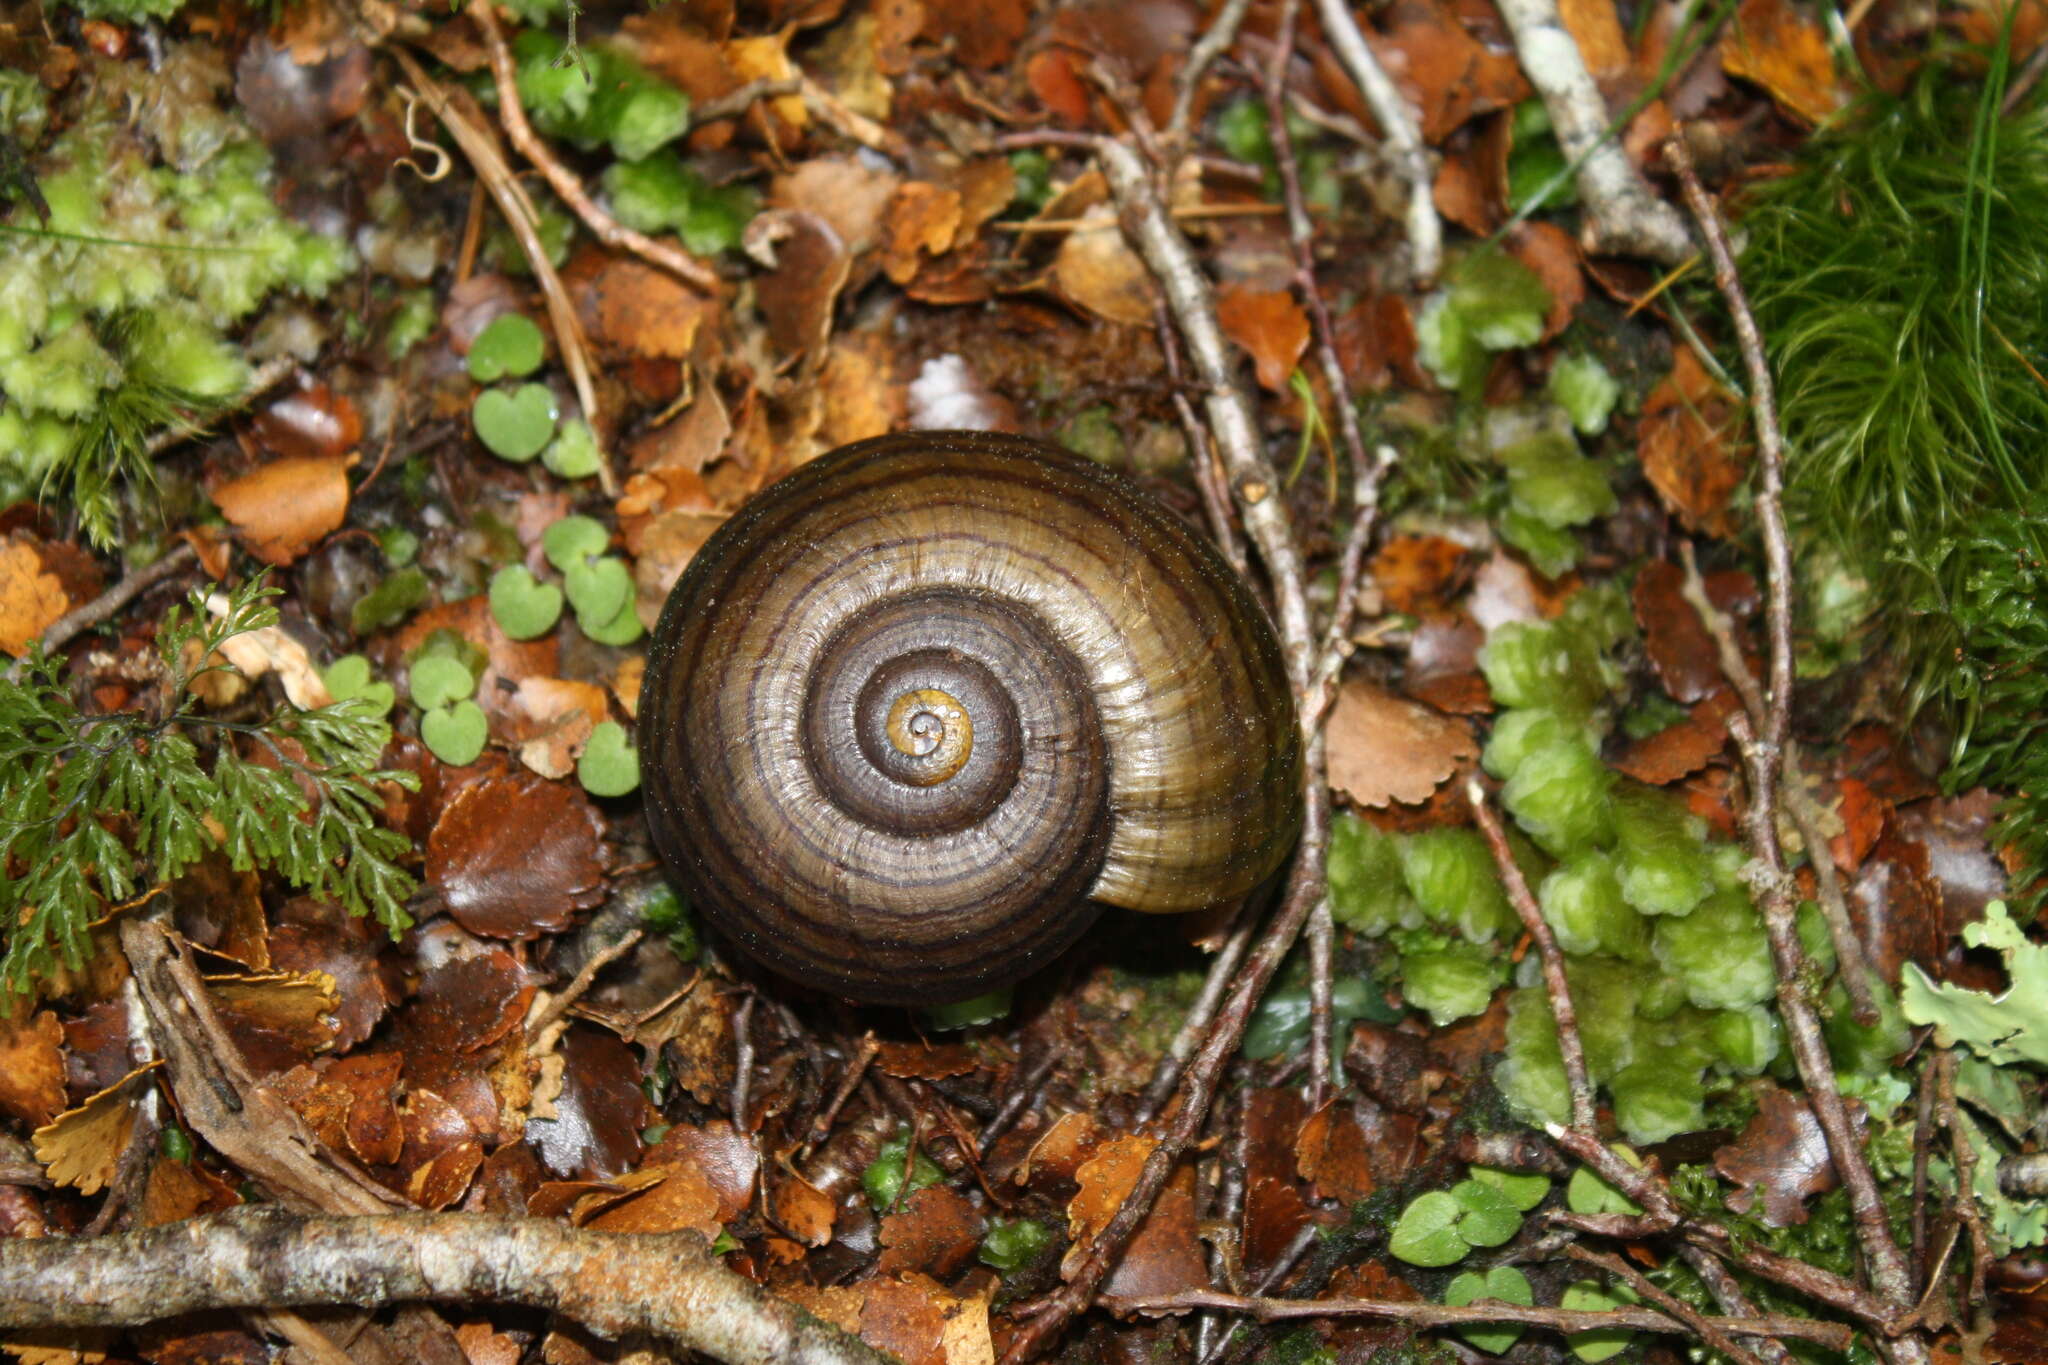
1403, 134
1624, 215
668, 1285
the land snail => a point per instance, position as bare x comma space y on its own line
919, 710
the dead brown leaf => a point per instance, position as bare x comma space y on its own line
561, 715
1781, 1160
1097, 269
31, 598
1270, 326
1692, 448
32, 1066
1786, 52
515, 857
82, 1146
1386, 748
935, 1231
282, 508
811, 266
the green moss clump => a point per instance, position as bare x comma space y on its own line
114, 313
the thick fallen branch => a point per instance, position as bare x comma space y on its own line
668, 1285
1421, 1313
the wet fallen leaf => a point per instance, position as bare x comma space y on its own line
282, 508
1786, 52
1386, 748
727, 1160
313, 422
277, 1019
804, 1209
935, 1231
667, 1198
1270, 326
1331, 1155
441, 1152
598, 1117
811, 266
515, 857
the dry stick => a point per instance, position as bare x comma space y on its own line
1704, 1327
1214, 42
1966, 1174
565, 183
1569, 1045
1420, 1313
667, 1285
1727, 1292
1208, 481
1397, 121
261, 380
1853, 967
520, 215
1625, 215
1762, 756
579, 985
1923, 1141
1022, 1092
1198, 1090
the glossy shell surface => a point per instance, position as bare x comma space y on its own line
917, 707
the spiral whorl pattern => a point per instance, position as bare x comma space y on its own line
917, 703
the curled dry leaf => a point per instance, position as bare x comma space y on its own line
277, 1019
628, 305
1270, 326
31, 598
1386, 748
515, 857
1097, 269
850, 196
282, 508
560, 716
920, 222
798, 295
82, 1146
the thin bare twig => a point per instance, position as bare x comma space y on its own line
1624, 213
1708, 1331
1762, 756
1403, 134
1222, 971
557, 1005
1569, 1044
566, 184
82, 618
517, 209
1421, 1313
1214, 42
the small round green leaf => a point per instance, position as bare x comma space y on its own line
1490, 1217
348, 678
510, 345
1589, 1296
1427, 1232
573, 454
622, 629
1524, 1191
1588, 1193
455, 734
438, 680
571, 541
515, 423
1504, 1283
597, 589
609, 766
524, 607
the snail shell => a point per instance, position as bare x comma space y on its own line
918, 709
